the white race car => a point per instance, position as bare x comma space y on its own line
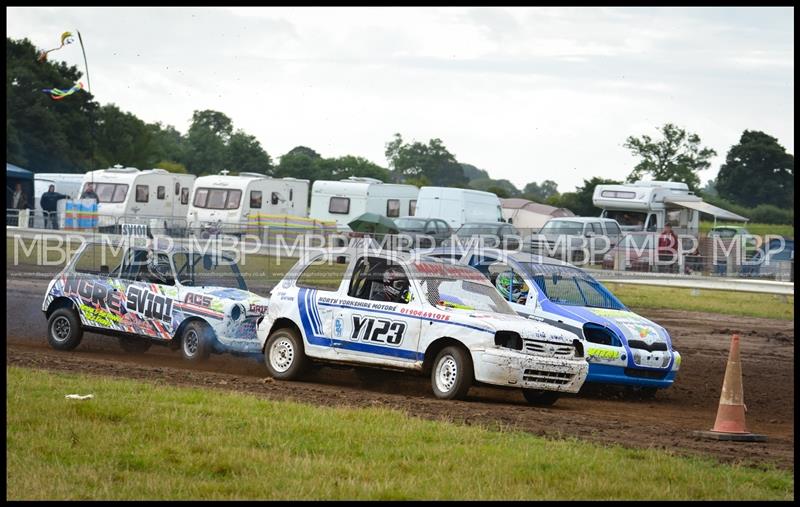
395, 311
197, 301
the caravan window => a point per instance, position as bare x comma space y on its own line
110, 192
185, 195
161, 192
412, 207
291, 194
234, 196
393, 208
142, 193
618, 194
274, 198
217, 198
255, 199
339, 205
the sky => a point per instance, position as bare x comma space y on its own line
527, 94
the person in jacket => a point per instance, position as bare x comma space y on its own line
49, 202
89, 193
668, 249
19, 200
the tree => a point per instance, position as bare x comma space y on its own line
122, 138
43, 134
431, 160
486, 184
173, 167
500, 192
473, 173
245, 154
580, 201
304, 150
677, 157
207, 140
756, 171
540, 193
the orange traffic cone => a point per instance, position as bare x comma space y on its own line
730, 424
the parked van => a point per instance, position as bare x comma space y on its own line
571, 238
66, 183
344, 200
236, 200
458, 206
648, 205
140, 195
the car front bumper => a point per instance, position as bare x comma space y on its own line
504, 367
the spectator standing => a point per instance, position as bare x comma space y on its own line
668, 249
19, 200
49, 203
88, 193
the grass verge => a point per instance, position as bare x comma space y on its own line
771, 306
138, 440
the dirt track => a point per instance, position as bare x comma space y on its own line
607, 416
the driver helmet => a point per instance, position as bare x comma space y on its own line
395, 284
160, 270
511, 286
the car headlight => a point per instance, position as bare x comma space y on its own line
637, 357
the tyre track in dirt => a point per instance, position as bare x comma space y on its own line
599, 415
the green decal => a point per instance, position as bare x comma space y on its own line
603, 353
102, 317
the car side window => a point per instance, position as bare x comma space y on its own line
430, 227
323, 273
596, 228
613, 229
443, 227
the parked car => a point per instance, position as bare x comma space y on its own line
398, 311
426, 232
637, 251
493, 234
728, 232
197, 302
621, 346
774, 260
572, 238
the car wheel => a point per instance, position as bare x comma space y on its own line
64, 330
285, 355
134, 345
196, 341
540, 398
452, 373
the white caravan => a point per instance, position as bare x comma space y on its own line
344, 200
648, 205
66, 183
458, 206
126, 194
248, 197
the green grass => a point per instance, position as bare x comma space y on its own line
749, 304
140, 440
754, 228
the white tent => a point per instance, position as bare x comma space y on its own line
525, 214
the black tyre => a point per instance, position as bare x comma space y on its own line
134, 345
540, 398
196, 341
64, 331
285, 355
452, 373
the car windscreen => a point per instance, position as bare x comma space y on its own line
409, 224
208, 270
560, 227
464, 294
566, 285
473, 230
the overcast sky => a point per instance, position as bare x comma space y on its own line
526, 93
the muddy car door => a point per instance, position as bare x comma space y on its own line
149, 293
373, 324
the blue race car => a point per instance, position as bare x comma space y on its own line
621, 346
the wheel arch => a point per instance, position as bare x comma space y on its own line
283, 323
435, 347
61, 302
176, 337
